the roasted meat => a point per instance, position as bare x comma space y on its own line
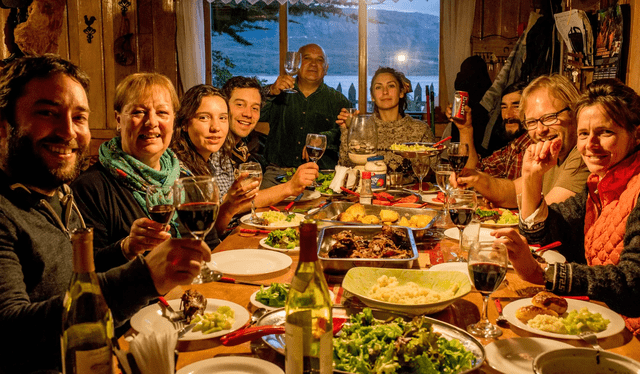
391, 242
192, 303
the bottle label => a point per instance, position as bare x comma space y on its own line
305, 355
378, 182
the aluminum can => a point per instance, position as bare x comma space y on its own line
460, 99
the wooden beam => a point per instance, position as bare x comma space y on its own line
362, 56
283, 25
207, 41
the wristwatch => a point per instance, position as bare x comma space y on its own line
549, 275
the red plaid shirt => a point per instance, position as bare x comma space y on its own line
506, 162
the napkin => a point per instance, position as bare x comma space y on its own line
336, 183
155, 352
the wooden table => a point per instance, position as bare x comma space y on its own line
463, 312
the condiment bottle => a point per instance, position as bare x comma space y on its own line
87, 324
308, 327
378, 170
366, 195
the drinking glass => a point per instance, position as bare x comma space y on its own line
197, 200
420, 166
487, 268
255, 174
292, 66
443, 172
458, 156
462, 205
159, 203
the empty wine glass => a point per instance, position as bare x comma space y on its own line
292, 66
159, 203
487, 268
197, 200
462, 205
420, 166
443, 173
254, 171
458, 156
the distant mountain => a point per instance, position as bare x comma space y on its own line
415, 35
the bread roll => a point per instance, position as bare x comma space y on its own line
548, 300
528, 312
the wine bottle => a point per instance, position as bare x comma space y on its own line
308, 327
87, 324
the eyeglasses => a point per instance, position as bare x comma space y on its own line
546, 120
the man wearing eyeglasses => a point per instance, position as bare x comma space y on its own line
546, 108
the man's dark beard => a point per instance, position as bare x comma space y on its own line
514, 135
27, 167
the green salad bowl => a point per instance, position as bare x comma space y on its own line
359, 280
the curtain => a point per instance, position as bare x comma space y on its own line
456, 25
190, 43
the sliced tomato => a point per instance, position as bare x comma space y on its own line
386, 195
440, 197
408, 199
381, 202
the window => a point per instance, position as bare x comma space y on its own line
403, 35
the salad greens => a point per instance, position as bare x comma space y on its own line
274, 296
222, 319
285, 239
581, 320
323, 181
366, 345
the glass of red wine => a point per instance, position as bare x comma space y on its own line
315, 147
487, 269
462, 206
160, 203
458, 156
197, 200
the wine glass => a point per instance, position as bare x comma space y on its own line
292, 66
254, 170
315, 146
462, 205
458, 156
487, 268
420, 166
159, 202
197, 200
443, 173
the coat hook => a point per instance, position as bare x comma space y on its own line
89, 30
124, 6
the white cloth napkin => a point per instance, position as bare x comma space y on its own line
155, 352
336, 183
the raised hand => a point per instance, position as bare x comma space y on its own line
541, 157
282, 83
176, 262
145, 235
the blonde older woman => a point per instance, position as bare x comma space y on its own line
111, 193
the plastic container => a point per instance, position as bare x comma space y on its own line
378, 170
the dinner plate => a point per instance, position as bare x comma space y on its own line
246, 262
431, 199
150, 319
263, 243
258, 304
485, 234
306, 196
553, 257
246, 219
231, 365
516, 355
616, 323
498, 225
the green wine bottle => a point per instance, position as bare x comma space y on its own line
308, 328
87, 324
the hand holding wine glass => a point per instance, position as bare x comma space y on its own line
462, 205
254, 173
292, 66
197, 200
487, 268
160, 203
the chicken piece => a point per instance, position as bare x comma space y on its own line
370, 219
192, 302
419, 220
356, 210
387, 215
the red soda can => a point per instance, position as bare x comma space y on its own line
460, 99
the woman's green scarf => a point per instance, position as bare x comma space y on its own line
137, 176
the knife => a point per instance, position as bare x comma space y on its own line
231, 280
288, 208
185, 330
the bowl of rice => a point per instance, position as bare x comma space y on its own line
277, 220
408, 291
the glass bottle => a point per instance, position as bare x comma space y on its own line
87, 324
308, 327
366, 195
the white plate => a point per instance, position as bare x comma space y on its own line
516, 355
245, 262
431, 199
485, 234
306, 196
553, 257
452, 266
498, 225
246, 219
231, 365
150, 319
616, 323
263, 243
258, 304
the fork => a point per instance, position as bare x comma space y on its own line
591, 338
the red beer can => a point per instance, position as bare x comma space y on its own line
460, 99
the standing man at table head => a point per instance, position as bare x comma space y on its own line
245, 101
44, 134
291, 116
546, 107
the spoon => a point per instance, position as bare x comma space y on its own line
501, 320
255, 317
